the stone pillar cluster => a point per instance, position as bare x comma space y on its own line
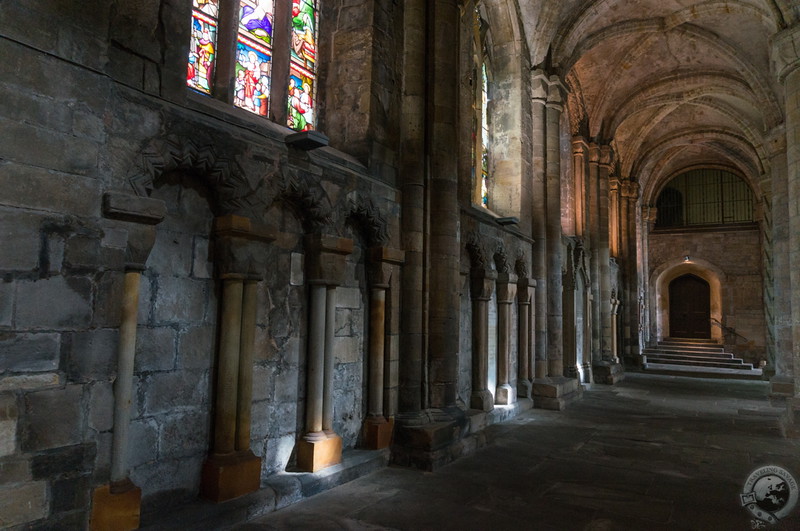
232, 469
321, 447
506, 294
481, 288
526, 342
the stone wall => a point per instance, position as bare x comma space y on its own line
85, 113
737, 253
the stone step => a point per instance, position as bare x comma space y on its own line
702, 372
714, 355
734, 363
691, 341
690, 346
722, 358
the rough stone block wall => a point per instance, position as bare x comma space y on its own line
738, 255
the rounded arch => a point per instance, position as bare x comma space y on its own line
659, 292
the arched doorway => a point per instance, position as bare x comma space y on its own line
690, 307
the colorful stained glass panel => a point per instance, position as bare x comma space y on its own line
256, 19
203, 46
484, 137
302, 74
253, 72
301, 99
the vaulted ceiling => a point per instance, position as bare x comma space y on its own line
672, 84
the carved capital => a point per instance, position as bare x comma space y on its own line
540, 85
613, 185
481, 284
381, 262
594, 153
506, 288
785, 52
325, 258
526, 290
139, 216
240, 247
606, 156
580, 146
630, 189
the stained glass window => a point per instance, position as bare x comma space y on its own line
203, 47
253, 69
302, 74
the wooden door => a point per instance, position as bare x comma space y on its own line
690, 308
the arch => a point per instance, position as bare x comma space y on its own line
368, 218
306, 198
232, 192
659, 292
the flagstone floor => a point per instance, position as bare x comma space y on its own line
652, 453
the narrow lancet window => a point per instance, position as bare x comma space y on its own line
303, 60
203, 47
254, 56
485, 176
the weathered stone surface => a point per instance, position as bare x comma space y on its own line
144, 442
168, 390
179, 300
196, 347
29, 352
93, 355
6, 302
35, 308
202, 266
23, 503
19, 231
8, 424
30, 381
184, 435
14, 471
155, 349
52, 418
67, 461
101, 406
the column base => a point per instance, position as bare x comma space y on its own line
504, 395
117, 509
609, 373
378, 432
588, 377
524, 388
556, 392
315, 454
436, 441
226, 477
482, 400
781, 387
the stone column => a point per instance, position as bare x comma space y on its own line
412, 222
630, 322
580, 150
539, 90
321, 447
378, 429
614, 328
594, 240
232, 469
526, 292
506, 293
604, 169
588, 376
649, 214
614, 216
786, 61
481, 287
554, 259
117, 505
570, 330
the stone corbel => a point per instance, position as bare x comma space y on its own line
556, 93
139, 216
784, 54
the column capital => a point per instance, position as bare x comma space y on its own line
325, 258
785, 52
555, 94
381, 260
481, 284
614, 184
139, 216
606, 156
239, 246
775, 141
579, 145
630, 189
594, 153
540, 86
649, 213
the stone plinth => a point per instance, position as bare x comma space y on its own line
378, 433
116, 511
608, 373
430, 439
556, 393
315, 455
229, 476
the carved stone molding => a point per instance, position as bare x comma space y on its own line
501, 260
232, 192
521, 266
305, 198
476, 253
369, 218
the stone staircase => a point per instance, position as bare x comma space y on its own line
702, 358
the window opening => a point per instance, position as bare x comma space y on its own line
202, 52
